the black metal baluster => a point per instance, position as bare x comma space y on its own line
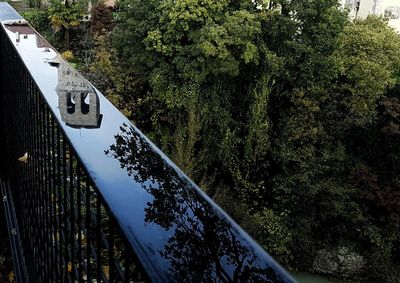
42, 217
111, 249
36, 188
98, 240
79, 220
60, 243
66, 229
88, 232
72, 211
54, 197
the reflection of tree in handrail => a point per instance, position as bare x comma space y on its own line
203, 246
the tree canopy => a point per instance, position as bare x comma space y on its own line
286, 112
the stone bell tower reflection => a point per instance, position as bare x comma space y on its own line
77, 100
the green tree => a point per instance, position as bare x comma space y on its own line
284, 111
368, 60
64, 16
35, 3
191, 53
117, 80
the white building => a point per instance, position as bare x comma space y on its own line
391, 9
386, 8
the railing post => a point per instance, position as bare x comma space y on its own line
3, 227
1, 104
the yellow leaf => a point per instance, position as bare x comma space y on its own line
24, 158
11, 277
83, 239
69, 268
106, 270
56, 236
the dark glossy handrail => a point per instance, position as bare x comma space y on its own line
93, 196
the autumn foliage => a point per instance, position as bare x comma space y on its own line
101, 19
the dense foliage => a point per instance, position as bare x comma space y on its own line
101, 19
285, 112
65, 16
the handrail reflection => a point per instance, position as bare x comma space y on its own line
77, 100
203, 247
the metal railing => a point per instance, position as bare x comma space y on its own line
88, 197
